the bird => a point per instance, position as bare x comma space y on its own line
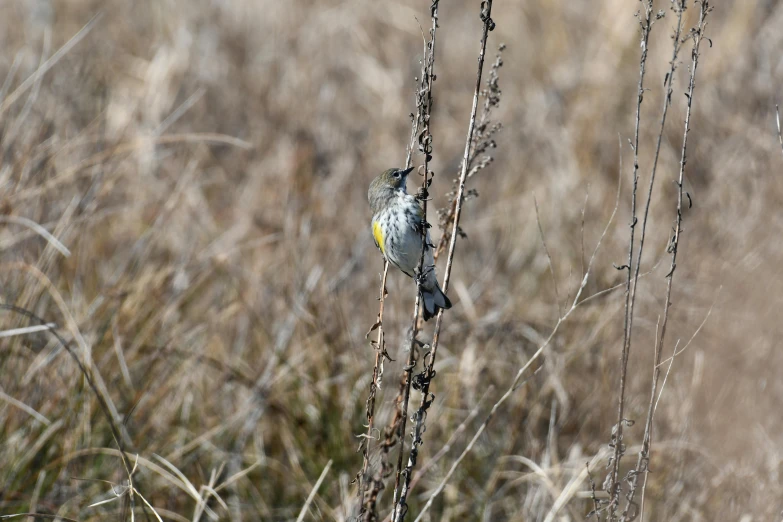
397, 226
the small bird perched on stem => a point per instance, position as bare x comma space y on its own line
397, 227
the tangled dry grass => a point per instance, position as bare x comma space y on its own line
199, 170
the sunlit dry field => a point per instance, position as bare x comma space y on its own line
183, 194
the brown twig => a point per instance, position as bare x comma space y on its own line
368, 509
483, 141
380, 352
424, 106
428, 373
452, 439
697, 34
631, 282
646, 27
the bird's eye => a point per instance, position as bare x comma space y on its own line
396, 174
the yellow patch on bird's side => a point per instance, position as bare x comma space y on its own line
377, 233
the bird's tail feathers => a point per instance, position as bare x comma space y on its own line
434, 299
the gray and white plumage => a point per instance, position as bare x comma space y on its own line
397, 222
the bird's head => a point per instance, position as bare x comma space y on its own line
394, 178
383, 187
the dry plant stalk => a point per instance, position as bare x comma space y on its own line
367, 506
696, 34
424, 379
395, 428
612, 485
424, 105
483, 141
380, 353
646, 26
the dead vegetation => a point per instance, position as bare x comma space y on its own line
182, 192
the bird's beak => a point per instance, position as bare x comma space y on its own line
407, 171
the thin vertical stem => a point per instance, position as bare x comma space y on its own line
646, 25
380, 353
631, 298
368, 508
425, 144
429, 372
644, 454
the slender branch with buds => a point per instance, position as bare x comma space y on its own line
613, 483
424, 139
426, 376
483, 141
697, 34
368, 509
646, 26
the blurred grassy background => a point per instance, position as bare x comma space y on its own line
206, 164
